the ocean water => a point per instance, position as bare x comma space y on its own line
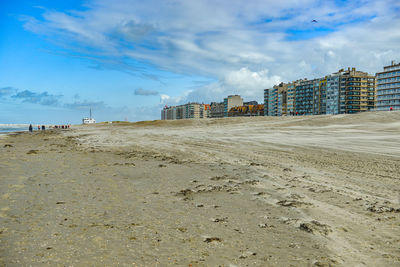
9, 128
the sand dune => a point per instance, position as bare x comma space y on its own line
261, 191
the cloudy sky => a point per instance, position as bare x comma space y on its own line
126, 59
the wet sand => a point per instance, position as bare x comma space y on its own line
301, 191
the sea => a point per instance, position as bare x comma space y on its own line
9, 128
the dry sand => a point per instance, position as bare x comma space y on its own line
303, 191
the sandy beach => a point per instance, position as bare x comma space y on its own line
260, 191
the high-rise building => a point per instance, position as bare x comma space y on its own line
164, 113
271, 101
346, 91
304, 104
230, 102
217, 110
388, 87
186, 111
358, 89
319, 103
291, 95
275, 100
332, 93
349, 91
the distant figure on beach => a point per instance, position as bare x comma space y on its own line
30, 128
391, 108
38, 127
43, 127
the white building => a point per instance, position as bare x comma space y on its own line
89, 120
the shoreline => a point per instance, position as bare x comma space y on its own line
11, 132
200, 194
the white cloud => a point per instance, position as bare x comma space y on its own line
164, 98
249, 82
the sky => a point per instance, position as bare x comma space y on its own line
127, 59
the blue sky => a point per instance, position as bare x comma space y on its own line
127, 59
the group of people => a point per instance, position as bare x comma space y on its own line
39, 127
61, 126
43, 127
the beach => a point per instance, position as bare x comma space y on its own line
257, 191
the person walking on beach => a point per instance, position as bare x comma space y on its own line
43, 127
30, 128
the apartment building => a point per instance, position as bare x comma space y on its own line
319, 98
304, 104
230, 102
388, 87
186, 111
346, 91
275, 100
282, 101
217, 109
358, 89
270, 101
164, 113
291, 95
168, 113
333, 94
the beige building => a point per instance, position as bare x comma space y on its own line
186, 111
230, 102
358, 90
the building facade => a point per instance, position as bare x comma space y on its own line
186, 111
346, 91
217, 109
275, 100
230, 102
359, 91
291, 95
249, 109
270, 102
304, 104
333, 94
388, 88
319, 102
